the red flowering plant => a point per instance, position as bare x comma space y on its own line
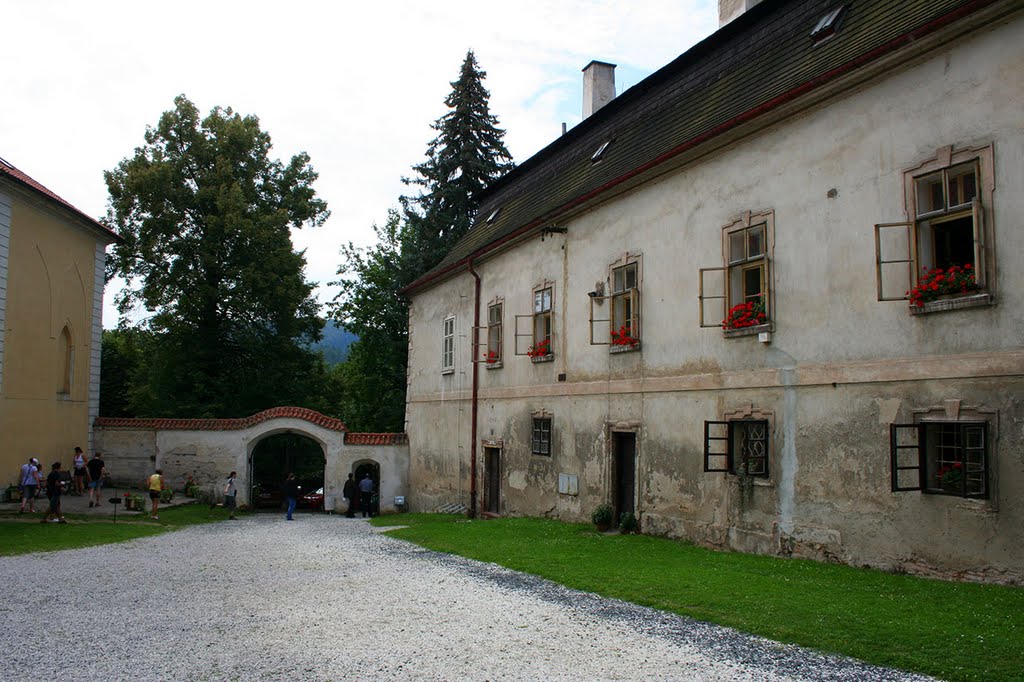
540, 350
491, 357
622, 338
950, 476
956, 279
747, 314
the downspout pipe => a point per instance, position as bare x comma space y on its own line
474, 403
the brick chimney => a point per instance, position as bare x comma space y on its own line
730, 9
598, 86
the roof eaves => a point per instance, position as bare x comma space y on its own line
20, 177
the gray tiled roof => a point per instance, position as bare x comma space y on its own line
754, 65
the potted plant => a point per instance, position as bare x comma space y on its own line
602, 517
622, 338
955, 280
628, 523
747, 314
540, 350
166, 495
491, 357
951, 477
13, 493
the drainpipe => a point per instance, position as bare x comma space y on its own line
476, 377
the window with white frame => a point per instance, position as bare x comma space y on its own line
448, 345
940, 253
737, 295
940, 457
623, 314
537, 335
494, 336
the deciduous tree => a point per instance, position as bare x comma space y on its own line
205, 215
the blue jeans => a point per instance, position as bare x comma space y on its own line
291, 506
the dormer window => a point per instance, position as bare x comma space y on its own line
827, 25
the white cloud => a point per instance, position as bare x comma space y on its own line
355, 86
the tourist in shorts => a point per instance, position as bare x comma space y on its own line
29, 484
96, 470
155, 483
79, 471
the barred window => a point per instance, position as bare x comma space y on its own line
540, 441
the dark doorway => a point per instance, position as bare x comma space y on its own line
492, 476
274, 458
373, 469
624, 474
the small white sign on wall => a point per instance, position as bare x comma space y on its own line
568, 484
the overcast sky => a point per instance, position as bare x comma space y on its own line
354, 85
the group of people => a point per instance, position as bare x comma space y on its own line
364, 490
89, 474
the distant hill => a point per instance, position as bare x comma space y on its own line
335, 343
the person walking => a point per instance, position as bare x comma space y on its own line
290, 488
155, 483
231, 494
53, 490
29, 484
78, 470
350, 491
96, 469
366, 495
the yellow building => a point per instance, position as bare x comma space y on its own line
51, 303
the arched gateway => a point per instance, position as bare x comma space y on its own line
207, 449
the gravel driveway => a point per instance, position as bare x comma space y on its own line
328, 598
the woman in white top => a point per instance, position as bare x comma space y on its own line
230, 493
78, 467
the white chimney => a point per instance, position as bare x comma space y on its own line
730, 9
598, 86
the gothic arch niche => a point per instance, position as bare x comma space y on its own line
277, 454
66, 362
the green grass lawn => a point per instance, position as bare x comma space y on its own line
22, 534
955, 631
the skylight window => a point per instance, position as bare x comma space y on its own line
494, 215
827, 25
600, 151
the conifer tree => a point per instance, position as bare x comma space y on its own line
467, 155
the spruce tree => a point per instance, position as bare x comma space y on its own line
466, 156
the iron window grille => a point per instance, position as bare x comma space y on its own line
941, 458
540, 440
731, 446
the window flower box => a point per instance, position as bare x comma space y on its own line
622, 341
746, 319
540, 352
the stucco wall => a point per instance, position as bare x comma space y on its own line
50, 284
131, 454
840, 365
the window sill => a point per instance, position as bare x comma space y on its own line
746, 331
493, 365
957, 303
445, 372
612, 350
542, 358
